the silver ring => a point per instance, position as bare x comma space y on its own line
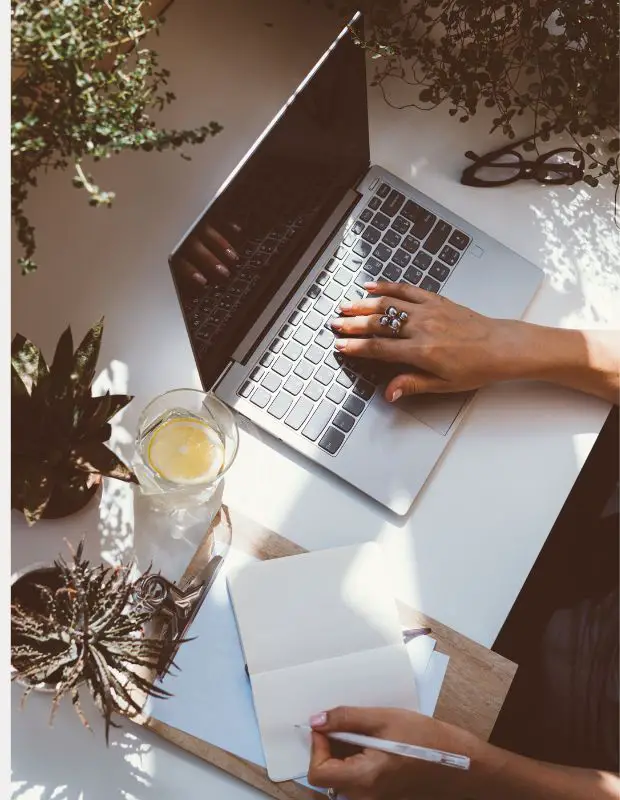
393, 319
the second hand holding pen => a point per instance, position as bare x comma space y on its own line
398, 748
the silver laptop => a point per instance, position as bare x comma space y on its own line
311, 221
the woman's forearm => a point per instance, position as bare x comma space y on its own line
505, 775
588, 361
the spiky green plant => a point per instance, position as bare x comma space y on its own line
87, 631
58, 428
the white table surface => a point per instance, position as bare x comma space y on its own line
473, 534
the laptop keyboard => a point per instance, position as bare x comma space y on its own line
300, 379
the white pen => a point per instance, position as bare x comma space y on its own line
398, 748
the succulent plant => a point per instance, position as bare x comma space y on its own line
58, 428
82, 627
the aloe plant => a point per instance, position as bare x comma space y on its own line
58, 428
84, 629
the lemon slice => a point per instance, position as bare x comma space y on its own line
186, 450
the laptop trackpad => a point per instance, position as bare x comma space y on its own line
438, 411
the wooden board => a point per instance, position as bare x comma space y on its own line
473, 692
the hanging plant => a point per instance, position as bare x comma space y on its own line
84, 86
555, 61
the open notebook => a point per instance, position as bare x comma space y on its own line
318, 630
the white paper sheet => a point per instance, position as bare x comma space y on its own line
212, 695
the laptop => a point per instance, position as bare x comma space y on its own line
311, 220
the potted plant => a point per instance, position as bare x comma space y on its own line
75, 626
58, 429
552, 62
84, 85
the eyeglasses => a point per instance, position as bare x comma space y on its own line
500, 167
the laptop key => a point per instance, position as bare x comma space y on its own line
354, 405
343, 276
304, 304
391, 272
293, 351
302, 335
286, 332
364, 389
410, 244
280, 405
271, 382
430, 284
391, 238
282, 366
267, 359
313, 292
353, 295
323, 306
358, 226
313, 320
260, 397
380, 221
437, 237
346, 378
422, 260
382, 252
324, 338
362, 248
449, 255
319, 420
411, 210
293, 384
439, 271
348, 239
324, 375
304, 369
353, 262
314, 354
423, 223
392, 203
313, 390
336, 393
371, 235
374, 203
331, 441
383, 190
300, 413
323, 278
333, 290
257, 373
459, 239
247, 389
400, 225
331, 265
333, 360
365, 216
340, 252
344, 421
295, 317
373, 265
413, 274
362, 278
401, 258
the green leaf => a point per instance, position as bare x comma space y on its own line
614, 145
590, 180
87, 354
62, 365
93, 456
27, 360
31, 487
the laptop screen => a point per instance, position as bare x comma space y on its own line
273, 206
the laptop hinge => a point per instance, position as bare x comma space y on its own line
320, 241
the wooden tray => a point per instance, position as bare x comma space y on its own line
475, 687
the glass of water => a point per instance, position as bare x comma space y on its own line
187, 441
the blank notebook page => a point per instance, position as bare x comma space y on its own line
318, 630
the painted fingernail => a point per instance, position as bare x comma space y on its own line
341, 344
396, 395
318, 720
199, 278
221, 270
231, 254
336, 324
344, 307
370, 285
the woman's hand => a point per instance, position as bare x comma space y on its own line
374, 775
450, 348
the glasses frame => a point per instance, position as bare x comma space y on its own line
526, 170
